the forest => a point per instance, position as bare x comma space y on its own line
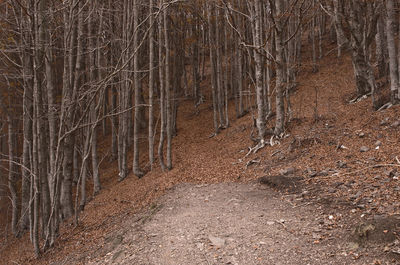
85, 83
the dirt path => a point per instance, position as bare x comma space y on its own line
228, 224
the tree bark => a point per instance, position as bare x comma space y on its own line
168, 91
161, 71
393, 65
280, 107
213, 70
259, 72
151, 85
136, 127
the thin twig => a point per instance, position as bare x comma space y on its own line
365, 168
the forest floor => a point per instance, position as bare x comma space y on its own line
327, 193
233, 223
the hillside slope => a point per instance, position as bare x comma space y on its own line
322, 147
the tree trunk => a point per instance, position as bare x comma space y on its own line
27, 142
393, 65
151, 85
381, 48
136, 127
161, 69
168, 91
12, 172
280, 107
94, 69
124, 96
259, 72
213, 70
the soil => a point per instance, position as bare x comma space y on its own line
235, 223
327, 192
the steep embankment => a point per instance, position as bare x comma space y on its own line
322, 146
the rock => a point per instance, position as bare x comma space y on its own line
396, 123
287, 171
376, 185
385, 122
323, 173
353, 246
361, 134
338, 184
386, 249
116, 256
364, 149
391, 173
341, 164
356, 196
378, 143
316, 236
216, 241
378, 217
362, 231
331, 190
311, 172
200, 246
117, 241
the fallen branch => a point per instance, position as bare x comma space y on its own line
275, 153
363, 169
251, 162
281, 223
386, 106
360, 98
374, 166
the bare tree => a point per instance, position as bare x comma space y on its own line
391, 44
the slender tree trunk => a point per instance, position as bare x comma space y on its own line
83, 171
168, 91
280, 108
151, 85
226, 80
161, 69
114, 130
124, 97
41, 125
381, 48
213, 71
136, 127
314, 52
12, 172
341, 39
218, 67
35, 152
71, 80
259, 71
393, 64
27, 142
94, 69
